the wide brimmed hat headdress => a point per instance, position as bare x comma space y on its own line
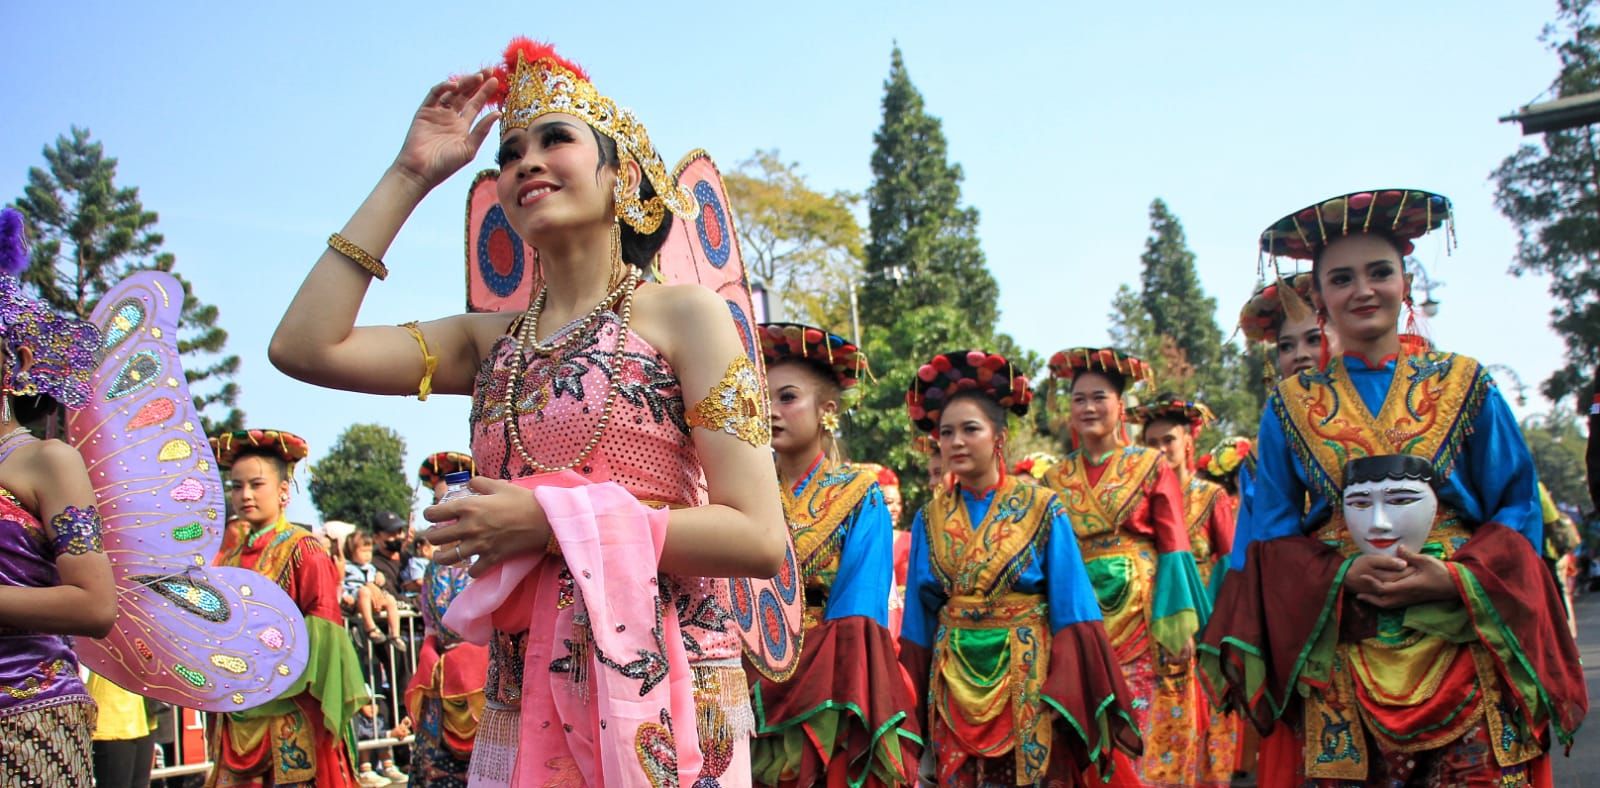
286, 446
831, 354
1194, 415
1273, 304
535, 81
1402, 214
1068, 364
949, 374
63, 348
441, 464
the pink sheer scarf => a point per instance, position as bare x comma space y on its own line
625, 713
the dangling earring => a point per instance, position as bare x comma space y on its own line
643, 216
1000, 456
5, 405
1411, 317
830, 422
619, 267
283, 499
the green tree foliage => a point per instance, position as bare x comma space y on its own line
89, 234
1171, 322
362, 475
926, 288
801, 243
1558, 455
1551, 193
923, 245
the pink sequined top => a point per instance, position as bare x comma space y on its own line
646, 449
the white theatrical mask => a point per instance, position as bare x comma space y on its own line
1384, 514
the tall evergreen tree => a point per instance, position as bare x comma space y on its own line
363, 474
923, 245
1551, 193
926, 288
89, 234
1171, 293
1171, 323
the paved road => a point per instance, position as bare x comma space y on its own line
1582, 770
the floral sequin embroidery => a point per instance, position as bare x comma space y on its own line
737, 405
77, 531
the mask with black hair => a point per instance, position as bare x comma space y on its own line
1389, 501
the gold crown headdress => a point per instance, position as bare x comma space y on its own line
535, 81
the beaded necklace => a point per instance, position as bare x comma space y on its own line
529, 326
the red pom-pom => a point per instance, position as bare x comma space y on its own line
926, 373
941, 363
975, 358
530, 51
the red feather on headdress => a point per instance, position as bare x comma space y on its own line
530, 51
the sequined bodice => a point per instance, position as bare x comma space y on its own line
646, 449
35, 669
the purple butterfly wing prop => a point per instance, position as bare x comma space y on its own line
705, 251
191, 634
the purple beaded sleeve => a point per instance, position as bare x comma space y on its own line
77, 531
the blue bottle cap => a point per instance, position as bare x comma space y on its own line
459, 477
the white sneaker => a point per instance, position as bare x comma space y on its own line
371, 779
395, 776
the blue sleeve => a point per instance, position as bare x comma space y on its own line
1501, 471
416, 567
352, 578
924, 595
866, 563
1066, 581
1277, 499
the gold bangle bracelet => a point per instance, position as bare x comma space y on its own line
359, 256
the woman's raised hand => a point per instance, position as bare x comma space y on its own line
443, 136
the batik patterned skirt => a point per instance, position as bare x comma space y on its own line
49, 746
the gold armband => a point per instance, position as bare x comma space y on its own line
430, 362
359, 256
737, 405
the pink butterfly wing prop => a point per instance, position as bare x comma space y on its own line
191, 634
705, 251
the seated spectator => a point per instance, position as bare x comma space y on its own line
364, 592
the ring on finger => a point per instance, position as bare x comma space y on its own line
459, 557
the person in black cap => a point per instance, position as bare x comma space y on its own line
389, 536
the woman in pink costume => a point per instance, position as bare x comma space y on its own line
628, 414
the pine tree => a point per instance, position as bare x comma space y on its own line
1171, 293
1171, 323
923, 248
363, 474
90, 234
926, 287
1552, 195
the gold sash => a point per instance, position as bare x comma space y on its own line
816, 514
1199, 500
278, 559
986, 560
1100, 508
1427, 413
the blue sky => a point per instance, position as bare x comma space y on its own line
256, 130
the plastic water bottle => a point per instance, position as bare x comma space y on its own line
456, 488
